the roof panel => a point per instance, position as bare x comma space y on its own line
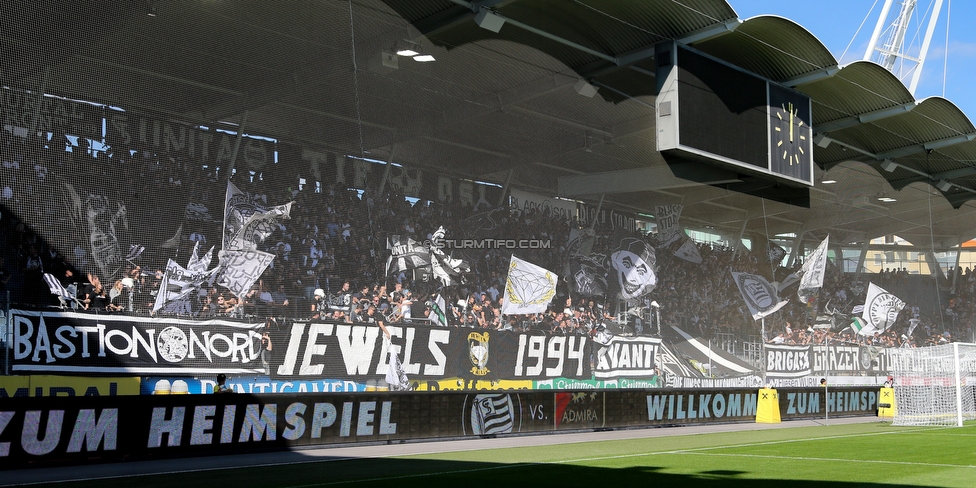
772, 47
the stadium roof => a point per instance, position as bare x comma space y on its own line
501, 106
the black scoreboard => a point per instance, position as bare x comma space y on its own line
711, 111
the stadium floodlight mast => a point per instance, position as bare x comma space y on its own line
935, 385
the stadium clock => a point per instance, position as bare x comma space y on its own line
790, 135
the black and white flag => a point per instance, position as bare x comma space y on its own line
812, 272
58, 290
406, 254
239, 270
668, 223
177, 284
587, 276
632, 267
396, 376
246, 223
689, 252
448, 270
759, 295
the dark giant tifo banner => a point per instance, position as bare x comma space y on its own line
56, 115
71, 342
132, 130
41, 431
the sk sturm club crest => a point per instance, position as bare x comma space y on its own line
491, 413
478, 352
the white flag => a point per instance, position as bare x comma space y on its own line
528, 289
238, 270
396, 376
812, 277
196, 263
759, 295
668, 226
689, 252
246, 224
178, 282
880, 310
437, 314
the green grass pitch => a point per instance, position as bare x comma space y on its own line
862, 455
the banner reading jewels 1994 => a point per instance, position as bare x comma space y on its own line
71, 342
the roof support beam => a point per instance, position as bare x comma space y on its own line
928, 146
641, 179
812, 77
446, 19
548, 35
711, 32
865, 118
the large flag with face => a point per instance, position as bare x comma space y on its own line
759, 295
528, 289
880, 311
632, 267
247, 224
587, 276
812, 272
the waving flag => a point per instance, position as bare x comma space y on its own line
396, 376
880, 311
239, 270
196, 263
668, 226
177, 283
528, 289
689, 252
446, 268
437, 308
58, 290
406, 254
812, 277
247, 224
587, 276
759, 295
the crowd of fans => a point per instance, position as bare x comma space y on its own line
331, 257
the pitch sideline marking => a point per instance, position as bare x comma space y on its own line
677, 451
804, 458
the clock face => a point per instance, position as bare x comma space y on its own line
790, 134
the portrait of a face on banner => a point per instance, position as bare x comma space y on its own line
632, 270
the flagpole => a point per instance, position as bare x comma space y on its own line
762, 341
826, 385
